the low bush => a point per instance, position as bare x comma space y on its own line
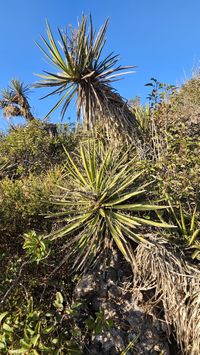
32, 330
25, 202
36, 147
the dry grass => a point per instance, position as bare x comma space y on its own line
177, 285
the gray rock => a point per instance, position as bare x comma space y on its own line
109, 289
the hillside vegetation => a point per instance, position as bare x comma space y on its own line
100, 225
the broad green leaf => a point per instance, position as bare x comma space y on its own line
19, 351
3, 315
7, 328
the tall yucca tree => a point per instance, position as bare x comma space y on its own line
82, 72
14, 101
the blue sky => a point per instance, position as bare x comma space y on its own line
161, 37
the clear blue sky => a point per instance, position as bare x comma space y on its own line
161, 37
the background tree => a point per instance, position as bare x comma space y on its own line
14, 101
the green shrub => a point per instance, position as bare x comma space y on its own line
33, 148
60, 329
179, 166
31, 330
35, 246
171, 140
25, 202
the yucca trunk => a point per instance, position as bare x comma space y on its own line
25, 109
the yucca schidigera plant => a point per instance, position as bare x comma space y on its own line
188, 228
100, 205
82, 72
